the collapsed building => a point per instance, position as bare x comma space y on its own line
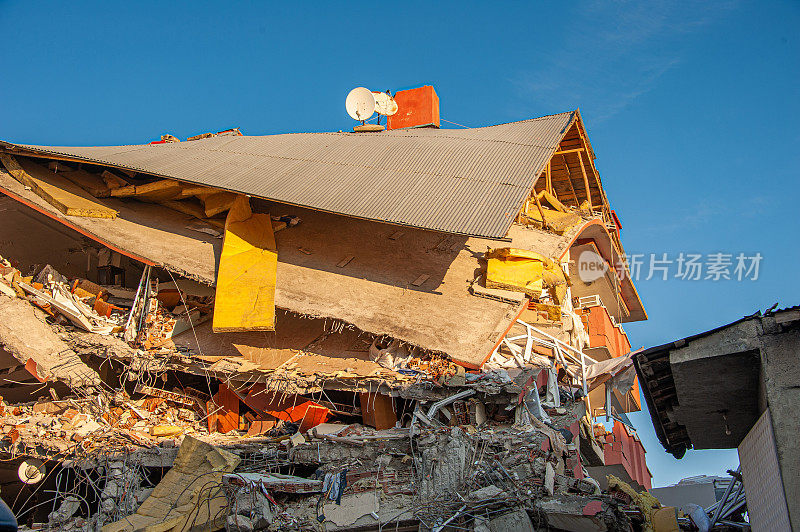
348, 330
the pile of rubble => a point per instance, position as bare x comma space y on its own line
479, 450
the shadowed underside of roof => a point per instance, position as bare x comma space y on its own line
470, 181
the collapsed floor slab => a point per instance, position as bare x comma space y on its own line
374, 291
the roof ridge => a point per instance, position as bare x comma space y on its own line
340, 132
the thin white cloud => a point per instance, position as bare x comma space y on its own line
612, 53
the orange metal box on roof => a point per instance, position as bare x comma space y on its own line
415, 108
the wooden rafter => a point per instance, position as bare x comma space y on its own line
569, 180
549, 178
595, 173
586, 182
564, 152
541, 211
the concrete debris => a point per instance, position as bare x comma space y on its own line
471, 457
34, 344
175, 356
67, 509
487, 492
578, 515
516, 520
186, 495
240, 523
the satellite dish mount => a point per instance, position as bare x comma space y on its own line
361, 104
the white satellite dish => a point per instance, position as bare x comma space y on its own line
384, 104
360, 103
31, 471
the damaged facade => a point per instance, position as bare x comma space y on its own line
338, 330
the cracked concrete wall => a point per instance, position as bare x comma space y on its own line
780, 355
445, 458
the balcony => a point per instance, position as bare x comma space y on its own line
607, 340
604, 283
604, 331
624, 458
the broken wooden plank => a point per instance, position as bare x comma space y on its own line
162, 190
55, 189
218, 202
190, 207
91, 183
188, 191
541, 212
553, 201
124, 192
112, 180
345, 261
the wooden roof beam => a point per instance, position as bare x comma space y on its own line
596, 174
564, 152
586, 182
569, 180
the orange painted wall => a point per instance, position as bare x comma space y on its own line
415, 108
603, 332
625, 448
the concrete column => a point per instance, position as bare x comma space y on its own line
780, 356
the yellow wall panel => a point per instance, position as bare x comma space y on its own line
245, 299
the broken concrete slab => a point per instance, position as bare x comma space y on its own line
170, 506
549, 478
514, 521
488, 492
25, 335
576, 514
353, 508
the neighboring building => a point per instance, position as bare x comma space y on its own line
737, 386
701, 489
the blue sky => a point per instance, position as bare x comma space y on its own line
692, 109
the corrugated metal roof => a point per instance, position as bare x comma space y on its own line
469, 181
